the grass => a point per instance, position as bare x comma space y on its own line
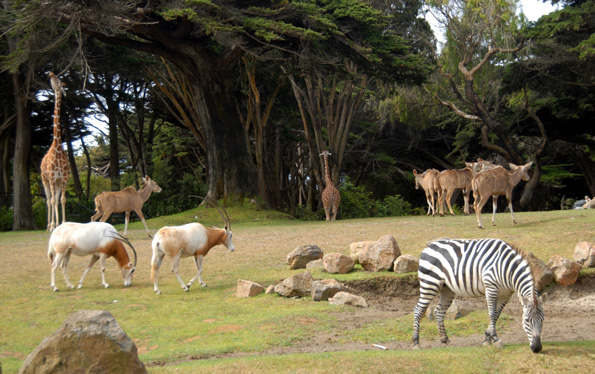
210, 330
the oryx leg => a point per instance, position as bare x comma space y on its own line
198, 263
92, 262
102, 258
174, 268
64, 268
57, 262
155, 265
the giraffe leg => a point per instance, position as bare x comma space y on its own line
63, 201
54, 215
48, 201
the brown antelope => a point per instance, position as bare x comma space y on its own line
97, 239
494, 183
451, 180
126, 200
428, 180
192, 239
589, 203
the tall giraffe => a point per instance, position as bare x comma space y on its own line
54, 166
331, 198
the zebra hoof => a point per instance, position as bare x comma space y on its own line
499, 344
487, 343
416, 347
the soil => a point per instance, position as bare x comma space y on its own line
566, 310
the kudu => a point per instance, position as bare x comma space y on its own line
494, 183
428, 181
126, 200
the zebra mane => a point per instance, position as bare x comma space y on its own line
529, 259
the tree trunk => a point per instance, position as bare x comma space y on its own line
231, 172
23, 218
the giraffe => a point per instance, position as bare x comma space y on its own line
331, 198
54, 166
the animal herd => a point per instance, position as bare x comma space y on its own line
100, 240
484, 178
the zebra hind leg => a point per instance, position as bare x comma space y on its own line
427, 293
446, 298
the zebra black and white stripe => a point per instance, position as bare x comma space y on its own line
476, 267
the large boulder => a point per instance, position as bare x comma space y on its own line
346, 298
89, 341
357, 247
542, 274
565, 270
380, 255
248, 288
325, 289
299, 257
337, 263
584, 254
298, 285
406, 264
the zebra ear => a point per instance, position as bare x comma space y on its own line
543, 298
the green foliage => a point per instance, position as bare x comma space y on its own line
5, 218
357, 202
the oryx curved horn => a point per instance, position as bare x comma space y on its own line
217, 206
124, 239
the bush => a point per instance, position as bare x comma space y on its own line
5, 218
357, 202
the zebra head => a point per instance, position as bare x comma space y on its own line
533, 317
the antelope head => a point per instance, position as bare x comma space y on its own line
227, 222
152, 184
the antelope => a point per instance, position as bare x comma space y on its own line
496, 182
192, 239
428, 181
97, 239
451, 180
126, 200
589, 203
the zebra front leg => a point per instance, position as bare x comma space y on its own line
496, 304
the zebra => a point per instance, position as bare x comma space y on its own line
473, 268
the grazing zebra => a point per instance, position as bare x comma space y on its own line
487, 267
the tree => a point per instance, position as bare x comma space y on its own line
207, 39
482, 37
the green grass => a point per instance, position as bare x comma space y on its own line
174, 329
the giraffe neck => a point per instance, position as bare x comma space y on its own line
327, 174
57, 131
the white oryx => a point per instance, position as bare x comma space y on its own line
192, 239
97, 239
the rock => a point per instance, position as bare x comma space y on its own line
337, 263
298, 285
380, 255
406, 264
346, 298
565, 270
356, 248
542, 274
299, 257
316, 264
248, 289
325, 289
270, 289
584, 254
89, 341
456, 310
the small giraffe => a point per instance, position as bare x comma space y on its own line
331, 198
54, 166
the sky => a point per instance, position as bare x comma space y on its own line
533, 9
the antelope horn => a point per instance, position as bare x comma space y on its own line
214, 203
123, 239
